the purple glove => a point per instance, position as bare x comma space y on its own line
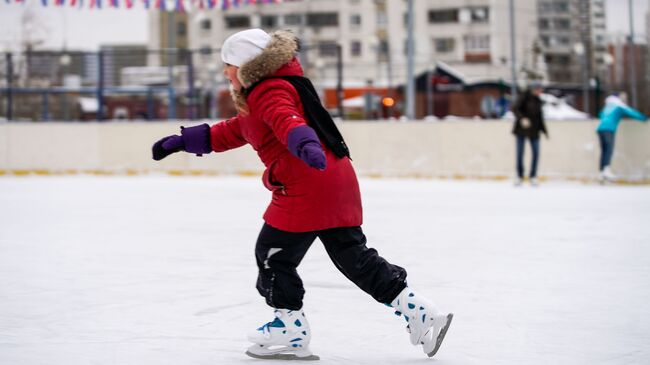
193, 139
304, 144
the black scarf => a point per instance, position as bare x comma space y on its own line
317, 117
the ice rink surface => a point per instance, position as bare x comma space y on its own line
160, 270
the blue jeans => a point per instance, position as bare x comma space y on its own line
534, 143
606, 148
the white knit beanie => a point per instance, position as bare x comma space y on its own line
243, 46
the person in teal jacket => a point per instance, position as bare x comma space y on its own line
615, 108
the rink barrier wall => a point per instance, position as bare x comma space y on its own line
459, 149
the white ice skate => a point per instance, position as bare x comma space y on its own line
426, 324
607, 175
285, 338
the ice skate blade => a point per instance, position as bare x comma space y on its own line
441, 335
283, 357
280, 353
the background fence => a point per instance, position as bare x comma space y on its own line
128, 82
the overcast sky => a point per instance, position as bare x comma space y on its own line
87, 28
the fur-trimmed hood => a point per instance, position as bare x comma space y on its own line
282, 48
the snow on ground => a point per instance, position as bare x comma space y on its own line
160, 270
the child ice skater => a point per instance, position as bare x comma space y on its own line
315, 194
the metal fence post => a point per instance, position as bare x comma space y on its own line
100, 85
150, 112
10, 73
45, 105
190, 89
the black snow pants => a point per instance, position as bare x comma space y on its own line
279, 253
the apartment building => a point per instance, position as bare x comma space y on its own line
472, 36
573, 37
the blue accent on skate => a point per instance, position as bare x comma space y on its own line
411, 295
424, 316
296, 339
295, 345
297, 323
277, 323
398, 313
411, 306
304, 333
406, 317
421, 308
388, 305
284, 332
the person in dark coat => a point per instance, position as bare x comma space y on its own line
315, 194
529, 122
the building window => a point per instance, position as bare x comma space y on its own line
206, 25
382, 18
544, 24
293, 19
479, 14
561, 6
237, 21
545, 40
181, 29
355, 48
443, 16
269, 21
444, 45
477, 43
355, 20
562, 24
327, 49
322, 19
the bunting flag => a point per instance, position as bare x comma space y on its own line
182, 6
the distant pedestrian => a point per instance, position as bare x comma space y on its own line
615, 108
529, 122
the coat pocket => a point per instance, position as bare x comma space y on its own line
270, 181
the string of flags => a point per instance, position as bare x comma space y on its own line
167, 5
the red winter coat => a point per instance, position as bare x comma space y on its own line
304, 199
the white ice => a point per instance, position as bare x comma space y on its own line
160, 270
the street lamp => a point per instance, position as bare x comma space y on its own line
579, 49
65, 61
